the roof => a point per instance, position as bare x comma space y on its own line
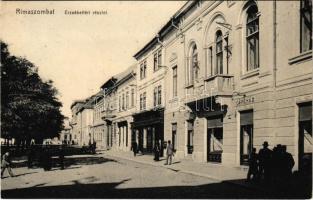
166, 28
77, 102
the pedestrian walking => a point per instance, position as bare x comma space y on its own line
157, 151
264, 158
134, 148
253, 165
169, 153
6, 164
61, 157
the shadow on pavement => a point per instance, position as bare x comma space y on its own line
110, 190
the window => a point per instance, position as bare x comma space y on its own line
159, 95
246, 135
119, 103
132, 97
306, 25
174, 136
127, 100
175, 81
155, 98
141, 102
193, 65
252, 37
123, 101
219, 52
143, 69
144, 101
210, 56
157, 60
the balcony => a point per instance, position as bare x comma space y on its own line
108, 114
217, 85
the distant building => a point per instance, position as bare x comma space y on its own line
65, 135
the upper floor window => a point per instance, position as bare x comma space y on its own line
159, 95
175, 81
127, 100
155, 96
144, 101
141, 102
157, 60
143, 69
193, 65
252, 38
132, 97
123, 101
306, 25
219, 52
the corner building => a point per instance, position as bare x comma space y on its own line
233, 79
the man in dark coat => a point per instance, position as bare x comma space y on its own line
264, 158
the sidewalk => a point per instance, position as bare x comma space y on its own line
233, 175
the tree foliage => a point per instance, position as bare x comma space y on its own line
29, 106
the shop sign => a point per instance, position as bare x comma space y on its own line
244, 101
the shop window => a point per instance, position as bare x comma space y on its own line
246, 135
215, 139
252, 38
305, 136
306, 25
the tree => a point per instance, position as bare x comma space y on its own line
29, 106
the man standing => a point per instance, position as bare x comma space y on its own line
264, 157
169, 153
6, 164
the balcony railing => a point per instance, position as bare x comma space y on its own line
217, 85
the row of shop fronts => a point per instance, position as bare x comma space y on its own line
217, 81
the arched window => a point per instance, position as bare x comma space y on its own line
252, 37
194, 64
219, 52
306, 25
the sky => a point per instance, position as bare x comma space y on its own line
80, 52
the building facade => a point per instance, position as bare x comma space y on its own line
126, 95
148, 120
231, 84
218, 79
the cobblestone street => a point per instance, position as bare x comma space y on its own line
105, 176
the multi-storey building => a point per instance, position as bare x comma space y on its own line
235, 79
99, 127
86, 114
75, 122
126, 94
148, 120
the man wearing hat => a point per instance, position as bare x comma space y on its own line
264, 157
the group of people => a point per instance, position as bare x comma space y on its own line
158, 148
270, 165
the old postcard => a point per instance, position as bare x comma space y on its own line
156, 99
